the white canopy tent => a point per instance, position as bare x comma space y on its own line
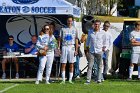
22, 18
37, 7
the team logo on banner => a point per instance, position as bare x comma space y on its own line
25, 1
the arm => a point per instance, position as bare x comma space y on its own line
104, 42
60, 39
39, 45
134, 42
29, 47
76, 43
88, 41
83, 38
110, 42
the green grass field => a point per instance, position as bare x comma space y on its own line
108, 86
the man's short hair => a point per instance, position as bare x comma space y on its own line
70, 16
136, 23
106, 22
52, 23
97, 21
10, 36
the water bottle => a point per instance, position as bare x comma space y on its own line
10, 52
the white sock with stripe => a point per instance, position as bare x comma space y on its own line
130, 71
63, 75
70, 76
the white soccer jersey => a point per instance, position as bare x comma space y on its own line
135, 35
68, 35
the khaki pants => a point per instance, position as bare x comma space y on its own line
115, 58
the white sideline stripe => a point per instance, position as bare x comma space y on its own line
8, 88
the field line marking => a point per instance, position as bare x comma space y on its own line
8, 88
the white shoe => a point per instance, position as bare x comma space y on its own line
71, 82
63, 82
17, 76
78, 77
37, 82
47, 82
4, 76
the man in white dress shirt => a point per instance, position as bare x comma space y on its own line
97, 41
109, 43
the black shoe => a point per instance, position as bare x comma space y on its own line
104, 76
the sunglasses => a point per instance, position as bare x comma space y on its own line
47, 29
10, 39
106, 26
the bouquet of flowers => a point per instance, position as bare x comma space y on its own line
52, 44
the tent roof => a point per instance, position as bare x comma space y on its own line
34, 7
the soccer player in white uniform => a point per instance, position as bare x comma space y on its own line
42, 43
135, 42
69, 38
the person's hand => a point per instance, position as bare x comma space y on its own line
59, 51
46, 48
32, 46
133, 40
76, 53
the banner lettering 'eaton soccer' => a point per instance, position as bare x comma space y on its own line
26, 9
37, 7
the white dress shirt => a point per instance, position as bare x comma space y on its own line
96, 41
109, 40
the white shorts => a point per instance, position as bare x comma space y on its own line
135, 58
67, 54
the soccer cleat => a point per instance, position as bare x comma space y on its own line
129, 79
4, 76
63, 82
37, 82
17, 76
71, 82
47, 82
99, 82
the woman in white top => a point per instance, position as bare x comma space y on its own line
42, 43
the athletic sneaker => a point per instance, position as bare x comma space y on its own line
37, 82
129, 79
17, 76
71, 82
99, 82
78, 77
4, 76
47, 82
63, 82
87, 82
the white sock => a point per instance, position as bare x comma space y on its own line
70, 76
47, 78
130, 71
138, 71
63, 75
